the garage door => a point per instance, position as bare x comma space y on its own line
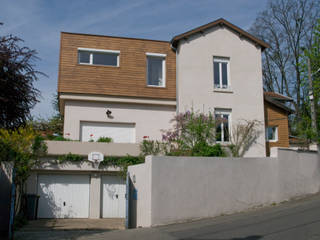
63, 196
113, 197
119, 132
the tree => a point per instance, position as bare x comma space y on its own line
312, 56
17, 76
53, 125
22, 147
287, 25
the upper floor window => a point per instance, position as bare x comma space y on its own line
221, 74
98, 57
223, 122
272, 134
156, 69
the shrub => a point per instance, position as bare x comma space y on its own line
70, 158
105, 139
151, 147
208, 151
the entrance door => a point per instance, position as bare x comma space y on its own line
113, 197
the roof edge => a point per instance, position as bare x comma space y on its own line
109, 36
219, 22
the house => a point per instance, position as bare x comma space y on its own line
127, 88
276, 120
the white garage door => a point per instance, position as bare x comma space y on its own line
63, 196
113, 197
119, 132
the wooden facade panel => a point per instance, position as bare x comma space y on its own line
129, 79
275, 116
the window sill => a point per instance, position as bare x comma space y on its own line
221, 90
272, 141
96, 65
151, 86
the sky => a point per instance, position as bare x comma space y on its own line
39, 23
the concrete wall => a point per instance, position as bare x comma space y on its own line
185, 188
84, 148
195, 87
5, 194
148, 119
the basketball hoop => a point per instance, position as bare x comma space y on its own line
96, 158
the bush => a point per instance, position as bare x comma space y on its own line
70, 158
208, 151
151, 147
105, 139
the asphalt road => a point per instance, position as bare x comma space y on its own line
296, 220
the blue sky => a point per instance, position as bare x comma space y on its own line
39, 23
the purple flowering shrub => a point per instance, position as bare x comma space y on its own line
193, 134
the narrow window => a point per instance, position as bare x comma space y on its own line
221, 73
156, 71
222, 126
98, 57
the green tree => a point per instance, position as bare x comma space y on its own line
22, 148
312, 54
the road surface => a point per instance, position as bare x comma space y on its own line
296, 220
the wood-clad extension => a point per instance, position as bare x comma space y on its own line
276, 117
129, 79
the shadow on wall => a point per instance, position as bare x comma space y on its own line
132, 205
51, 206
5, 194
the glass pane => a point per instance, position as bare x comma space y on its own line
216, 74
226, 127
109, 59
271, 133
84, 57
224, 75
155, 71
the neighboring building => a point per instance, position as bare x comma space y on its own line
127, 88
276, 120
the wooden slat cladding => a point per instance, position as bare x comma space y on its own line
275, 116
129, 79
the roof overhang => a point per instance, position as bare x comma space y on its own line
220, 22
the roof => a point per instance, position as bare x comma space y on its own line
109, 36
219, 22
277, 96
273, 99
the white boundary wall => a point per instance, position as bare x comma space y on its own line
172, 189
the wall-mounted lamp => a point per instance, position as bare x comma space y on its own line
108, 112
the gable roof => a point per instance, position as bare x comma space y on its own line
278, 100
220, 22
278, 96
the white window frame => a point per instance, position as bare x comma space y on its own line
224, 112
222, 60
92, 50
163, 57
276, 134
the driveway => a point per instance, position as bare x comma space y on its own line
296, 220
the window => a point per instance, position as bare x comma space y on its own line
272, 134
223, 121
221, 73
98, 57
156, 69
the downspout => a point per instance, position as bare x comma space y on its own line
177, 92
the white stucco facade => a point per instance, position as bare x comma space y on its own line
147, 119
195, 79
